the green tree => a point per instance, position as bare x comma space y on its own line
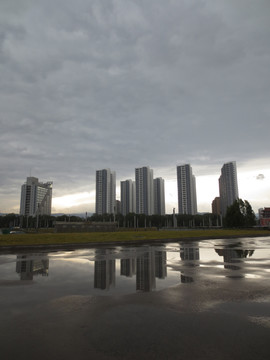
240, 214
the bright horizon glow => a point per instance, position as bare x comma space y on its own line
67, 202
256, 191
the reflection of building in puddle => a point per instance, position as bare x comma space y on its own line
186, 279
128, 267
31, 265
190, 257
147, 266
190, 253
104, 271
145, 275
151, 265
233, 259
160, 264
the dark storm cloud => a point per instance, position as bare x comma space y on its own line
121, 84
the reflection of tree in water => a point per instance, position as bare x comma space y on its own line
233, 256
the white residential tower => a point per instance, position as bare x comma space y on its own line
36, 197
128, 198
105, 192
228, 186
144, 190
159, 196
187, 198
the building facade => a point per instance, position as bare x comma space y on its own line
186, 183
228, 186
264, 216
144, 190
216, 206
36, 197
105, 192
159, 196
128, 198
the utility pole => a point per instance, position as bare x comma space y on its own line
37, 217
174, 219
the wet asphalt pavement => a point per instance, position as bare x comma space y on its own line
181, 301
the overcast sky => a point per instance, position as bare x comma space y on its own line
119, 84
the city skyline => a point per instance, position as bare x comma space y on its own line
145, 195
91, 205
173, 83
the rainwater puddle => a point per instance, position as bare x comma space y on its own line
125, 270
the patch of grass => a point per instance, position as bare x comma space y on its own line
125, 236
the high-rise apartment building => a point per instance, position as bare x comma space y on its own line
105, 192
228, 186
144, 190
36, 197
128, 198
187, 198
159, 196
117, 206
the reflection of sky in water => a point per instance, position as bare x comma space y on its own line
124, 270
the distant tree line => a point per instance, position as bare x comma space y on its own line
43, 221
133, 220
239, 214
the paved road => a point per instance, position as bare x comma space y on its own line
191, 321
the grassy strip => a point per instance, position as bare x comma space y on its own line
98, 237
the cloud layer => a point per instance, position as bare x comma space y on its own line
122, 84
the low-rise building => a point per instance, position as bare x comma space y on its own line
264, 216
87, 226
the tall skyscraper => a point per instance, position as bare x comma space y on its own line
228, 186
187, 198
105, 192
128, 198
159, 196
36, 197
144, 190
